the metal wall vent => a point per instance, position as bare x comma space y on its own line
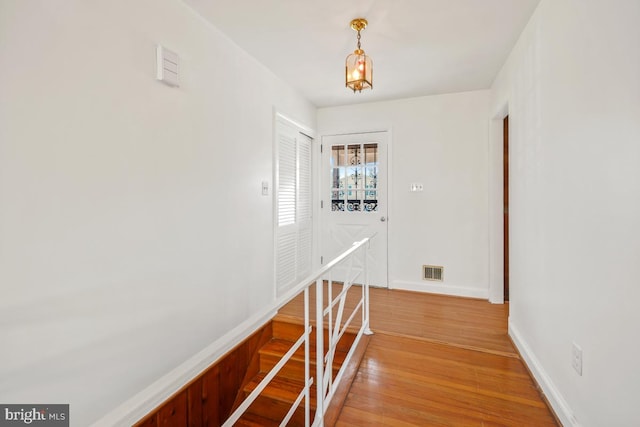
432, 272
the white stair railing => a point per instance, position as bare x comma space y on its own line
349, 272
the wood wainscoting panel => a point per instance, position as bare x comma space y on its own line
174, 412
209, 399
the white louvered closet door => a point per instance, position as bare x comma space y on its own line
294, 227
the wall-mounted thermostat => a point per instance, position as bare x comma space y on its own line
167, 66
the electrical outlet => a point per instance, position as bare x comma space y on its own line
576, 358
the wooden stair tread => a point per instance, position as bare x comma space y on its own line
292, 331
288, 318
249, 419
299, 321
281, 389
278, 347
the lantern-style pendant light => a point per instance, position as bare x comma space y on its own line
359, 67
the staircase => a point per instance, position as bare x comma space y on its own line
275, 401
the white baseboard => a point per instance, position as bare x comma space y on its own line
551, 392
439, 288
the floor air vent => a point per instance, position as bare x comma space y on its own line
432, 272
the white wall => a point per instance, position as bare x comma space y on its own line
126, 206
442, 142
572, 86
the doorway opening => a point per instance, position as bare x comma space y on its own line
505, 204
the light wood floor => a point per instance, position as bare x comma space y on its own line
440, 361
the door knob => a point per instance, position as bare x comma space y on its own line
383, 219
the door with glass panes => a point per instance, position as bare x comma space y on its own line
354, 192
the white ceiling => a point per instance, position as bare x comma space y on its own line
418, 47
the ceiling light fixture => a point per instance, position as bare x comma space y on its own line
359, 67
